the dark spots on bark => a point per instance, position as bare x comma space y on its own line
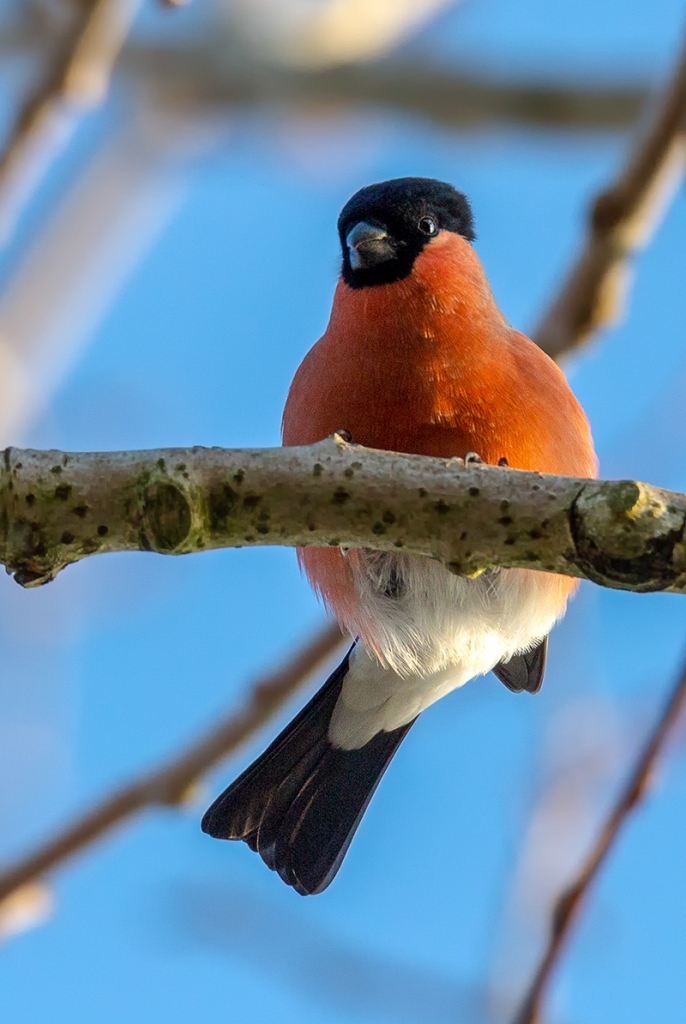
509, 541
317, 469
180, 467
81, 511
103, 531
388, 517
422, 492
463, 535
239, 476
167, 515
349, 472
442, 507
535, 534
262, 528
340, 496
63, 492
30, 500
67, 537
221, 504
506, 520
251, 501
504, 505
474, 492
56, 470
162, 464
378, 529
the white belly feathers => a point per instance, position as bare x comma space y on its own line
426, 631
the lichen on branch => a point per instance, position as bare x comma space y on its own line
58, 507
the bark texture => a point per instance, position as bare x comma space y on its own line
58, 507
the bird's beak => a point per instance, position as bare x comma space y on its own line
368, 245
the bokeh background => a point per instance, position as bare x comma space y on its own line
159, 283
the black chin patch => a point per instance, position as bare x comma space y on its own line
398, 206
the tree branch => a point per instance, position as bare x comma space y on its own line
452, 98
77, 82
56, 508
622, 220
171, 782
571, 901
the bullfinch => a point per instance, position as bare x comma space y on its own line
418, 358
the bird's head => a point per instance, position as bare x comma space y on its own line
384, 227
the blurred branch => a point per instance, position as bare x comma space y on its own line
571, 901
585, 746
111, 212
171, 783
213, 74
77, 82
622, 220
450, 98
56, 508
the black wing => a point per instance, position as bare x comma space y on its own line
524, 671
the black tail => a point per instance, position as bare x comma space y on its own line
299, 804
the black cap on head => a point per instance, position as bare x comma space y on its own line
384, 227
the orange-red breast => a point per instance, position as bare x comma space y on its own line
417, 357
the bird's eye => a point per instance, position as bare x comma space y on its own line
427, 226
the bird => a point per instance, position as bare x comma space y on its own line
417, 357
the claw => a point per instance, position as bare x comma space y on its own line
472, 458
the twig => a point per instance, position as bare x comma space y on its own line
571, 900
622, 219
77, 83
449, 97
169, 784
56, 508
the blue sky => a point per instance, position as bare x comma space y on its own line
125, 657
